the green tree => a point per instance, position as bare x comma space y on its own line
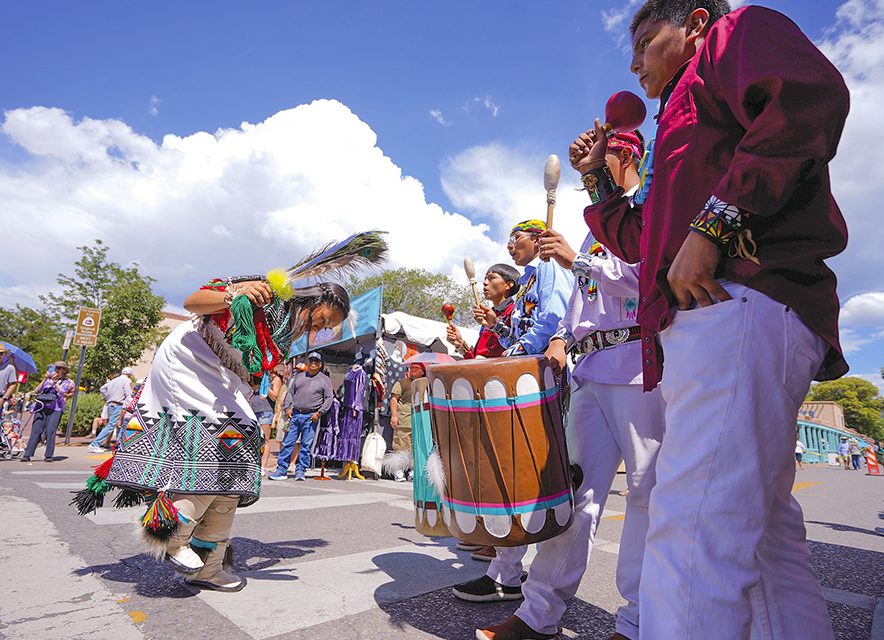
419, 293
131, 312
36, 332
130, 324
859, 400
94, 276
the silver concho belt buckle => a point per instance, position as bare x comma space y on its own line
616, 336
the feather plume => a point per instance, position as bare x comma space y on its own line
435, 471
397, 462
357, 251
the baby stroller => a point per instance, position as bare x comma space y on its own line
10, 438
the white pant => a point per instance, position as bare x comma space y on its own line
506, 567
607, 423
726, 555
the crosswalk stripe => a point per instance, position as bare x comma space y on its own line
264, 505
60, 485
82, 474
333, 588
67, 604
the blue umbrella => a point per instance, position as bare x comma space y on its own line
22, 359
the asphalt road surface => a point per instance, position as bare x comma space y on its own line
341, 559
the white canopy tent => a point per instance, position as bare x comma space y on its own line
424, 332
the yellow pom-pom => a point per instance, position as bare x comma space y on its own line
279, 283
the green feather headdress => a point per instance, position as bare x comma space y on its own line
349, 256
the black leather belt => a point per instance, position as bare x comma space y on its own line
600, 340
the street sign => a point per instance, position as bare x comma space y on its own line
86, 333
67, 340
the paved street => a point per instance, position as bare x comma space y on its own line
342, 560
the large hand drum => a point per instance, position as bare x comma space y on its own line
427, 517
500, 434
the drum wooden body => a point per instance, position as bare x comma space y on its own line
500, 435
427, 517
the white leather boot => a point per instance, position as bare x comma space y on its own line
213, 574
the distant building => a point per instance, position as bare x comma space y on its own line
820, 427
170, 321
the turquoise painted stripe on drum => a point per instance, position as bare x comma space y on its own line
507, 509
492, 404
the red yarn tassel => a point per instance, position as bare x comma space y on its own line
103, 469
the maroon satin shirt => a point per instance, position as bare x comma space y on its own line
753, 118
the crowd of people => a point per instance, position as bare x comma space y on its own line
695, 313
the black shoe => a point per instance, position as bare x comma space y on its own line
48, 460
25, 459
485, 589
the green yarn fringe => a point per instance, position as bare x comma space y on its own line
244, 337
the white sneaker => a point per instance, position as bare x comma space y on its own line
399, 477
94, 449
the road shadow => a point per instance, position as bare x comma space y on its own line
847, 568
442, 615
150, 578
153, 579
836, 526
257, 558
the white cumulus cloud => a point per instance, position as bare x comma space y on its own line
504, 184
212, 204
864, 310
855, 44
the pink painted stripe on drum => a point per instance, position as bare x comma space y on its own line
490, 409
503, 505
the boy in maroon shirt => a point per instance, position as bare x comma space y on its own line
732, 225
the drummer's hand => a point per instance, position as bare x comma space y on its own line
453, 335
484, 315
258, 291
556, 355
553, 245
589, 149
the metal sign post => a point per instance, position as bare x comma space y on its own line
70, 427
85, 335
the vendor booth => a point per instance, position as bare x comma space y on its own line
378, 344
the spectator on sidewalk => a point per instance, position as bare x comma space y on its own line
114, 393
8, 375
309, 397
99, 422
52, 396
126, 415
799, 453
263, 406
844, 453
855, 453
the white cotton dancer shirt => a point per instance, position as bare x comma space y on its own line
605, 297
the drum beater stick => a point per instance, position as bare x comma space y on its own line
470, 270
551, 174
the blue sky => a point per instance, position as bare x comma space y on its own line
509, 82
216, 64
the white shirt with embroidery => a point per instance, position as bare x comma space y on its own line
605, 297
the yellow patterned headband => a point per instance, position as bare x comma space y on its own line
530, 226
